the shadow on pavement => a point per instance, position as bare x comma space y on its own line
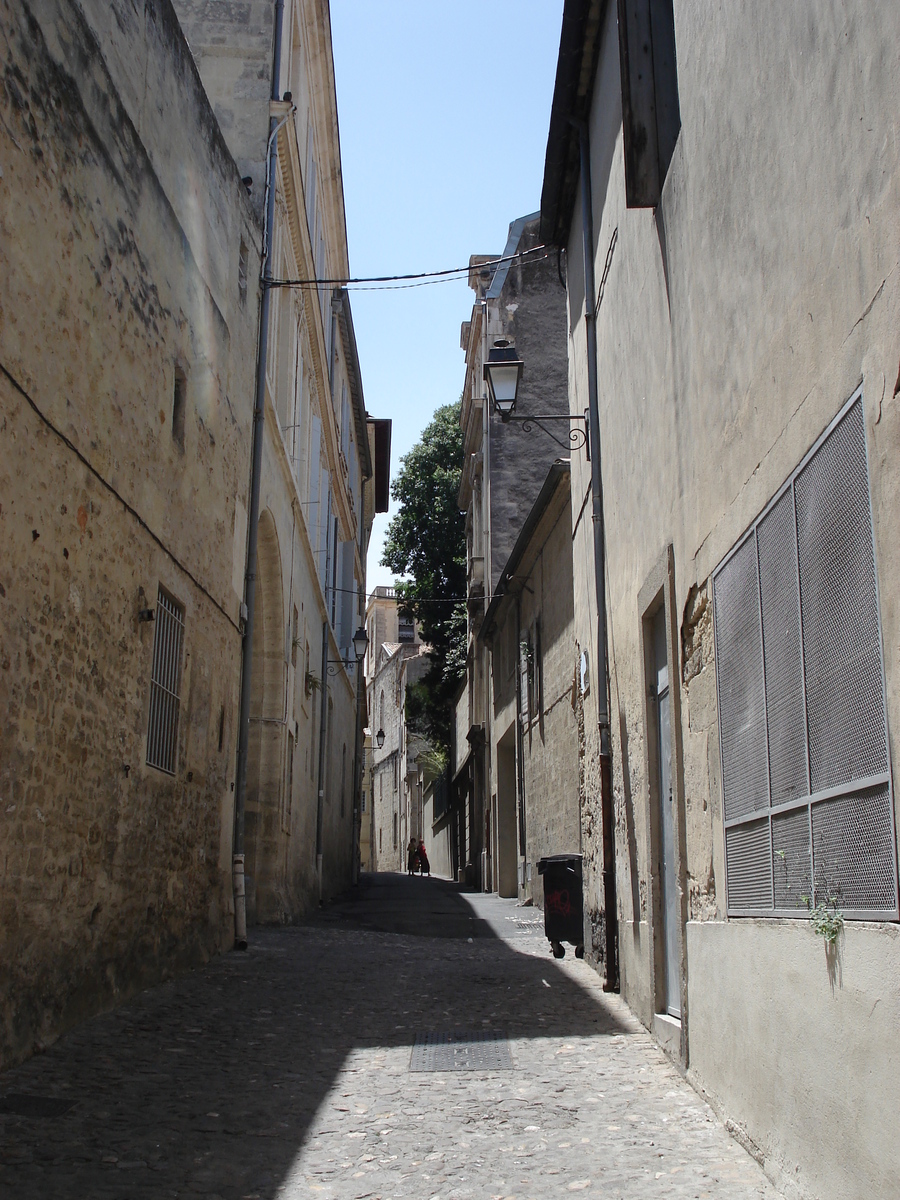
207, 1085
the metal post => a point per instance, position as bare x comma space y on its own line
259, 416
323, 730
606, 806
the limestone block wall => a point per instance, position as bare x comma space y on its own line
535, 719
550, 735
232, 45
126, 383
388, 770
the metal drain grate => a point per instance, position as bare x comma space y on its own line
462, 1050
34, 1106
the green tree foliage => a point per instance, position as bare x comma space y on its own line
426, 544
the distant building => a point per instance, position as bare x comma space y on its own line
521, 301
396, 786
384, 623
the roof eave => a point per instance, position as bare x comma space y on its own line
579, 49
351, 354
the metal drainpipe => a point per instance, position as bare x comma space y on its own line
259, 417
486, 750
330, 557
323, 730
606, 807
520, 735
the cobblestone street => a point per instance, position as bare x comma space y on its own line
285, 1072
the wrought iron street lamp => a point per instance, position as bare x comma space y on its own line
379, 738
361, 642
360, 645
503, 372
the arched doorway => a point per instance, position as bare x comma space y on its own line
263, 838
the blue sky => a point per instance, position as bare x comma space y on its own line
444, 107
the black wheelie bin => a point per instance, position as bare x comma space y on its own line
563, 902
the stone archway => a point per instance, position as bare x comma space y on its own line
263, 836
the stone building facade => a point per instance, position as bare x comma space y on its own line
740, 224
385, 624
128, 251
520, 300
394, 770
318, 490
530, 629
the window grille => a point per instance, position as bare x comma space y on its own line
165, 685
808, 802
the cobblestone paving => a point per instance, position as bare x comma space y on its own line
284, 1072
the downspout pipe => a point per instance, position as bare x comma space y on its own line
607, 818
259, 417
329, 591
323, 732
520, 735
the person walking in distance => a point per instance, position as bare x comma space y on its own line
412, 856
424, 864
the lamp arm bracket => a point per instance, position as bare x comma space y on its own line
577, 438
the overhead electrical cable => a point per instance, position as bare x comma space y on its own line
417, 279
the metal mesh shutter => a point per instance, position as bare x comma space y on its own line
743, 712
840, 610
165, 685
749, 865
802, 719
854, 851
791, 861
786, 726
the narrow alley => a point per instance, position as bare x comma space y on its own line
289, 1071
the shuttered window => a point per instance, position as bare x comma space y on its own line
802, 719
165, 684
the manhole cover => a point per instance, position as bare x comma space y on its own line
34, 1106
463, 1050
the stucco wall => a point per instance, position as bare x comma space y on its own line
812, 1078
737, 319
120, 227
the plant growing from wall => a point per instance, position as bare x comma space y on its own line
312, 682
826, 919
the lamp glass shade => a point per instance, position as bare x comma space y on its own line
503, 380
360, 642
379, 738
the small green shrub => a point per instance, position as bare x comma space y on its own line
826, 919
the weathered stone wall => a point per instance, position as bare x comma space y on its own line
550, 735
232, 46
530, 312
121, 220
538, 612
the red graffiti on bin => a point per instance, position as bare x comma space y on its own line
558, 903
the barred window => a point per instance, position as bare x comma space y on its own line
802, 718
165, 684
